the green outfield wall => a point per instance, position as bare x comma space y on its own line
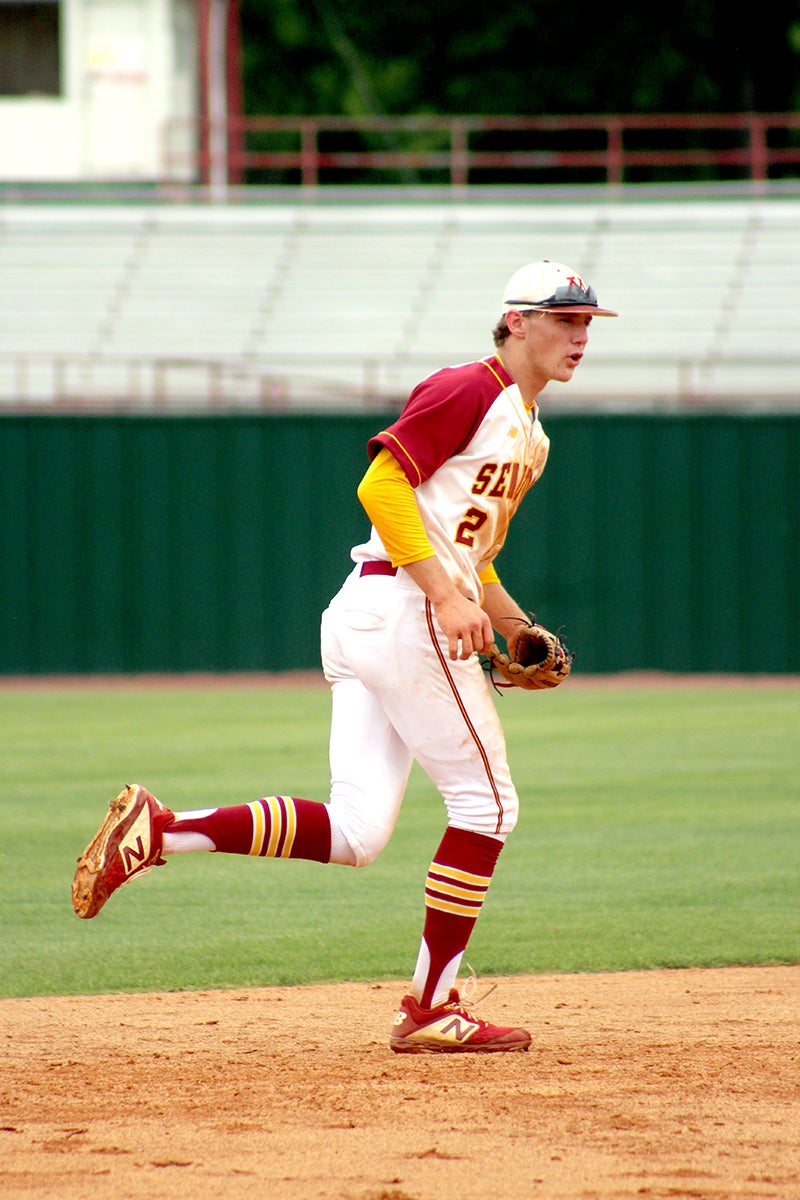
212, 543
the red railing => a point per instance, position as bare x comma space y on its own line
472, 149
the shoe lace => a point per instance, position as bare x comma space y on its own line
466, 993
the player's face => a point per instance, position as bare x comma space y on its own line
556, 343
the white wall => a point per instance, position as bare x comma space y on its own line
129, 69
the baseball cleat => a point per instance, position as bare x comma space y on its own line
450, 1029
128, 844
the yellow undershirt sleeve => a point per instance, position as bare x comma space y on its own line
489, 575
388, 499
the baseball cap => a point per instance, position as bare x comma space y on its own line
551, 287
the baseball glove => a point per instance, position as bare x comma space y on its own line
536, 659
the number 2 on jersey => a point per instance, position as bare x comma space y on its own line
473, 519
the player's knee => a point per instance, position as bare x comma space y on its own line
486, 815
356, 841
509, 817
365, 818
370, 851
367, 845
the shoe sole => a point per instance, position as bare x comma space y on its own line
439, 1048
101, 849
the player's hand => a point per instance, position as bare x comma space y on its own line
463, 622
465, 625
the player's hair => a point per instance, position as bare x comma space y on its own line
502, 333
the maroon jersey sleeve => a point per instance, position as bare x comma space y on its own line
441, 416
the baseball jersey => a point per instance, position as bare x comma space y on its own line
471, 450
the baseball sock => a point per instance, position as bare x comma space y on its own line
455, 889
272, 827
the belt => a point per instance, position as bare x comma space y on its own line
377, 566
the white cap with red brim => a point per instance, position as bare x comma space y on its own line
551, 287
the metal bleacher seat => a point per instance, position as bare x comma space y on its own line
195, 290
342, 299
57, 279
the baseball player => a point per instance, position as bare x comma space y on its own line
400, 649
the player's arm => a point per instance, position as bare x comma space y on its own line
501, 607
391, 506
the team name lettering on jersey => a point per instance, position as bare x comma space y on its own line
502, 480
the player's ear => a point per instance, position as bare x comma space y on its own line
516, 323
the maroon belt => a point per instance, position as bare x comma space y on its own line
377, 566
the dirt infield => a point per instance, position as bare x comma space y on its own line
681, 1083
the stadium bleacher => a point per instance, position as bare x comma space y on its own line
333, 303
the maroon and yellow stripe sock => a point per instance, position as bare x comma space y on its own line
455, 889
272, 827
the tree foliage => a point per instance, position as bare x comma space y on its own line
351, 57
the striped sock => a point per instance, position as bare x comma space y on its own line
455, 889
272, 827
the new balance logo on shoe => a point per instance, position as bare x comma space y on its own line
133, 856
458, 1029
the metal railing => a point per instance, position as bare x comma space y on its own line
98, 383
464, 150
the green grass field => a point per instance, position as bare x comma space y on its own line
658, 828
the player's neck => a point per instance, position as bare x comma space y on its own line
529, 381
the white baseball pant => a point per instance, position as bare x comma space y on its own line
396, 697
